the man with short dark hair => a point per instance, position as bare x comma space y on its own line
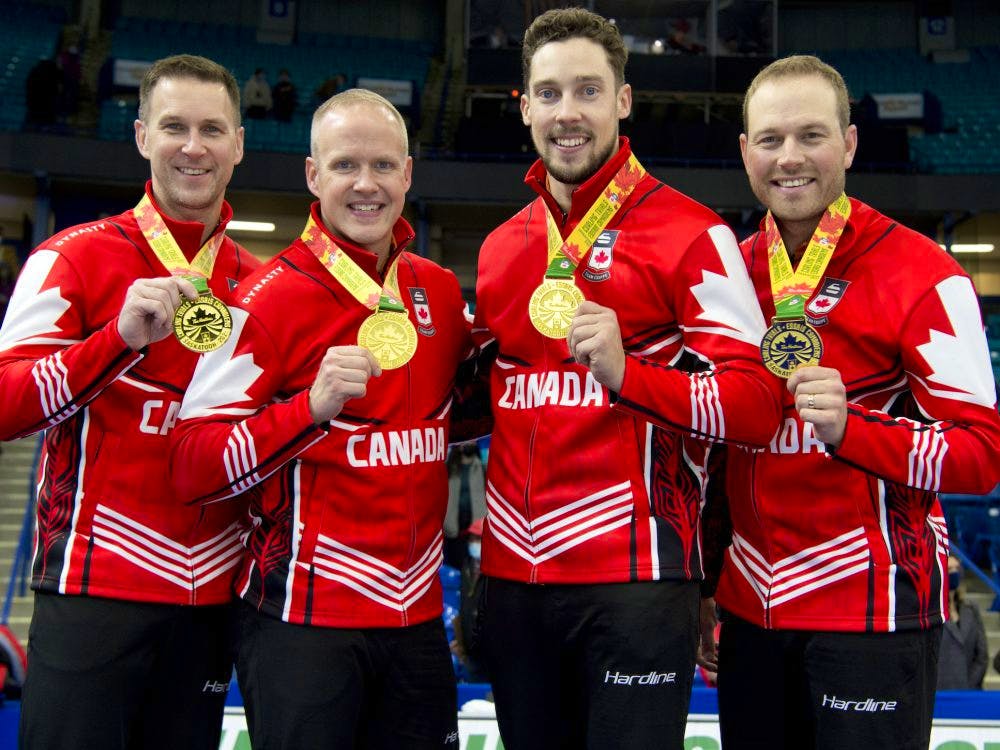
130, 642
331, 410
602, 295
834, 588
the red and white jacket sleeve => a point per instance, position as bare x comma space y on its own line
232, 433
954, 443
735, 399
51, 363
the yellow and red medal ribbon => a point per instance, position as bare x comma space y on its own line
361, 286
791, 289
564, 257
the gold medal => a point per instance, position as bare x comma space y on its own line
203, 324
390, 337
789, 345
552, 306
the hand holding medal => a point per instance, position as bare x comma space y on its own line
147, 315
201, 323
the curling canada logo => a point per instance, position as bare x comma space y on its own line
825, 300
422, 310
599, 261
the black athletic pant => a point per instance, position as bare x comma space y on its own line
809, 690
105, 674
597, 666
310, 687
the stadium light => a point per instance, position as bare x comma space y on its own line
984, 247
250, 226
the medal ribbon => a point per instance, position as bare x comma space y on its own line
564, 257
361, 286
791, 289
169, 253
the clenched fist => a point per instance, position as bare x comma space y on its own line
595, 341
343, 375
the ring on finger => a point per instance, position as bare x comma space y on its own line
811, 401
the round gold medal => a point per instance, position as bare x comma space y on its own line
390, 337
789, 345
552, 306
203, 324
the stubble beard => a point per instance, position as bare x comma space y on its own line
579, 175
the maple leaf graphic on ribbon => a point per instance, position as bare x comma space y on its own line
372, 300
630, 178
573, 251
793, 289
830, 222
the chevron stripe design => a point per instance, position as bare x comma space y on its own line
804, 572
555, 532
187, 567
926, 457
376, 579
52, 379
707, 417
240, 458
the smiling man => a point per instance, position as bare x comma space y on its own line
331, 406
131, 633
834, 589
603, 295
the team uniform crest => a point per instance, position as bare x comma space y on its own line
825, 300
601, 254
425, 325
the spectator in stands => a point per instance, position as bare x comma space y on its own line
119, 657
285, 97
332, 85
591, 546
466, 500
498, 38
679, 38
257, 96
341, 406
72, 74
832, 591
467, 645
9, 268
964, 657
43, 91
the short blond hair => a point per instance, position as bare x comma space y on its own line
797, 66
352, 97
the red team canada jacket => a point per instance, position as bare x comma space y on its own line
109, 524
581, 489
347, 517
855, 541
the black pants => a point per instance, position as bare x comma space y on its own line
339, 689
805, 690
105, 674
600, 666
